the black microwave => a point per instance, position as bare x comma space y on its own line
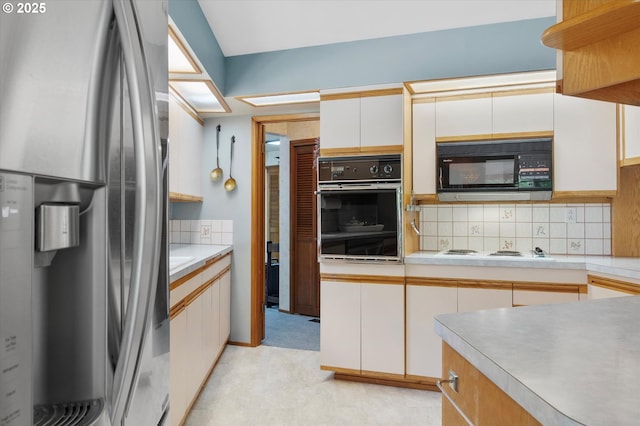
495, 170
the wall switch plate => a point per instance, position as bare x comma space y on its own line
571, 215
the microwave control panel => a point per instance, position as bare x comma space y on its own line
534, 170
366, 168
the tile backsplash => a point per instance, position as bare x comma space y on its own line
555, 228
201, 232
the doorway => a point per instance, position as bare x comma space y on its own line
296, 127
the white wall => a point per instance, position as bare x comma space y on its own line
219, 204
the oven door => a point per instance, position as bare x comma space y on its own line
360, 222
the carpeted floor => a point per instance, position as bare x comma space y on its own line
291, 331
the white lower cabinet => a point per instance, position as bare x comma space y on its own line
177, 359
424, 346
362, 327
200, 320
340, 325
382, 328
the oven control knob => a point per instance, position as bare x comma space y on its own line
388, 168
373, 169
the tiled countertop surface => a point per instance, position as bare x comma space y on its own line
568, 364
189, 257
622, 267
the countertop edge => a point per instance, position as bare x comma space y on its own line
544, 412
201, 253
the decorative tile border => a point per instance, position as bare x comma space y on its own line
210, 232
556, 228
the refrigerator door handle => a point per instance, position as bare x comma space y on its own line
148, 210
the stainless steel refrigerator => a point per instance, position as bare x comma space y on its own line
84, 327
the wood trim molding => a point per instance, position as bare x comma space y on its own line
210, 262
364, 279
360, 94
464, 96
587, 196
176, 310
551, 287
487, 285
177, 197
401, 381
611, 284
494, 136
364, 150
340, 370
634, 161
431, 282
382, 375
518, 92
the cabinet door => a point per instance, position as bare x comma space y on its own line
522, 113
340, 123
186, 137
584, 146
194, 371
381, 120
225, 308
177, 358
340, 325
631, 133
424, 147
475, 299
424, 346
597, 292
463, 116
382, 328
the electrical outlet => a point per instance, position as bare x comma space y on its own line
571, 215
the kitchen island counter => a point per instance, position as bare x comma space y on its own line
569, 364
189, 257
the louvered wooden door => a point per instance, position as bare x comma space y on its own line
305, 277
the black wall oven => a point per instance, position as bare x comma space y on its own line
360, 208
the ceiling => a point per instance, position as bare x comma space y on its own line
252, 26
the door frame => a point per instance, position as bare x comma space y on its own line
258, 240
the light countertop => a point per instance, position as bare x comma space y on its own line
570, 364
623, 267
185, 258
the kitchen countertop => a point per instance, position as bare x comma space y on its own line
570, 364
189, 257
623, 267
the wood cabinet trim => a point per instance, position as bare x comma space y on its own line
176, 310
493, 137
487, 285
360, 94
177, 197
608, 20
362, 150
364, 279
551, 287
431, 282
611, 284
209, 263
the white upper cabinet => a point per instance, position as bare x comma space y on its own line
186, 136
357, 123
424, 147
463, 116
630, 134
381, 120
525, 112
340, 123
584, 147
